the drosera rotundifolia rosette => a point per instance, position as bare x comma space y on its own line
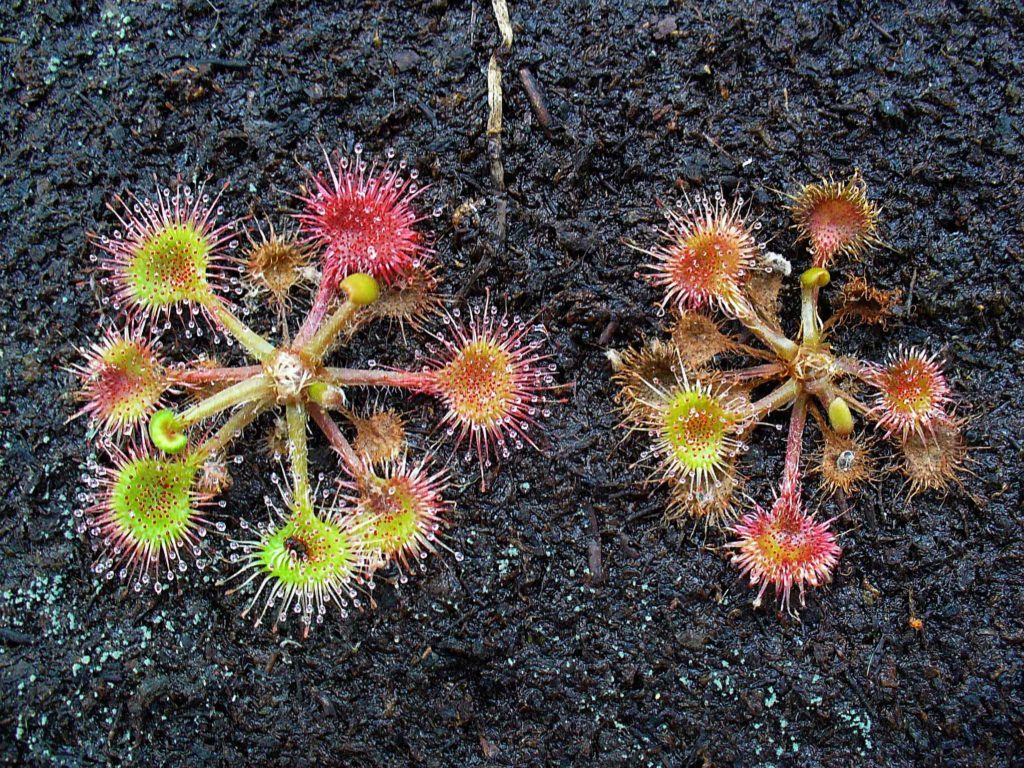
151, 498
698, 397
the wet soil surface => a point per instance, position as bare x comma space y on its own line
521, 654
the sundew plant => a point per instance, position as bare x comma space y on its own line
165, 429
698, 398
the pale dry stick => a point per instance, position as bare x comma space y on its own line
494, 103
504, 23
494, 93
494, 124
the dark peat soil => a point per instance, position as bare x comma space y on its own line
521, 654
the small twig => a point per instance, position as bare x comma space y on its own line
878, 649
882, 31
504, 22
494, 116
841, 500
494, 121
718, 146
536, 97
609, 331
481, 267
594, 550
216, 19
494, 92
910, 292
